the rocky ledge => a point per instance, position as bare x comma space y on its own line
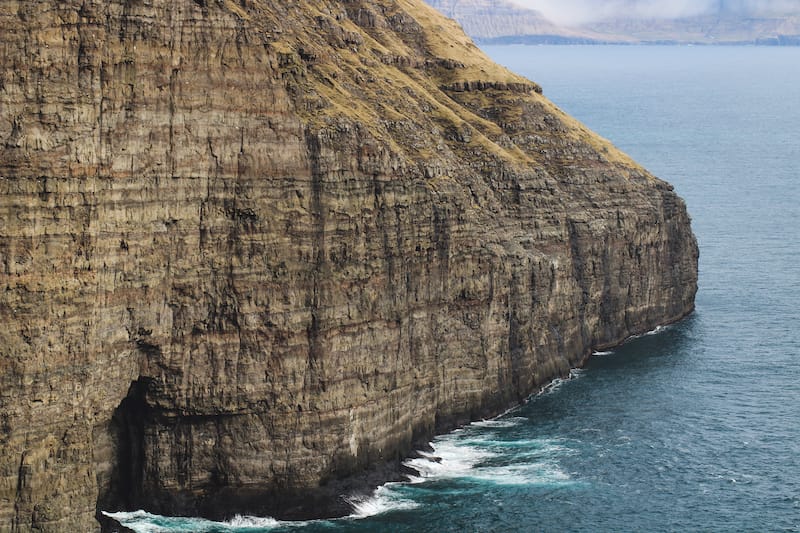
252, 252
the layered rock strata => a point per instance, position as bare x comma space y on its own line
251, 248
485, 20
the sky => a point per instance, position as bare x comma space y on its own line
575, 12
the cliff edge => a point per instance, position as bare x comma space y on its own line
249, 250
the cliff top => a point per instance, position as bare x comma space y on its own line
356, 56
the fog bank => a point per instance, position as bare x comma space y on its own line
577, 12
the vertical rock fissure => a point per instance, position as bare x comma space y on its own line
22, 500
314, 378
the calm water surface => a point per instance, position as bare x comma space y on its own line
696, 427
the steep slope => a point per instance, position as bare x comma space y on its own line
252, 248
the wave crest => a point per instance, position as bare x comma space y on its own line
144, 522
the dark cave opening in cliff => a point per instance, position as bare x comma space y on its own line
123, 490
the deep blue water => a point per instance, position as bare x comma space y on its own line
696, 427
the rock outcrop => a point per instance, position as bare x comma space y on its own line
251, 249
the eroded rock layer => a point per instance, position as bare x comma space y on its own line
251, 248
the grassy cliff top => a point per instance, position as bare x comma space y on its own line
403, 61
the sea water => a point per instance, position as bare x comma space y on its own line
695, 427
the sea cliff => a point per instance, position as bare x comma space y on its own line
253, 252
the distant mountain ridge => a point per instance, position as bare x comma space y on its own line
490, 19
719, 28
498, 20
732, 22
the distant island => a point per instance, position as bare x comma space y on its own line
726, 22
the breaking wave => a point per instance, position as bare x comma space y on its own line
557, 383
495, 452
144, 522
488, 457
500, 422
385, 499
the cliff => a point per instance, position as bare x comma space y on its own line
488, 20
250, 250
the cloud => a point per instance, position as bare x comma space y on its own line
577, 12
761, 7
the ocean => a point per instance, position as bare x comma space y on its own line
694, 427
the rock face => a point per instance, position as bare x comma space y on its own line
492, 19
252, 248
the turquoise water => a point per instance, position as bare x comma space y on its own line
696, 426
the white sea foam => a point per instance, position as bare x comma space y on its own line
553, 386
383, 500
500, 422
239, 521
523, 474
656, 331
600, 354
139, 521
520, 451
533, 461
144, 522
448, 460
490, 441
557, 383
